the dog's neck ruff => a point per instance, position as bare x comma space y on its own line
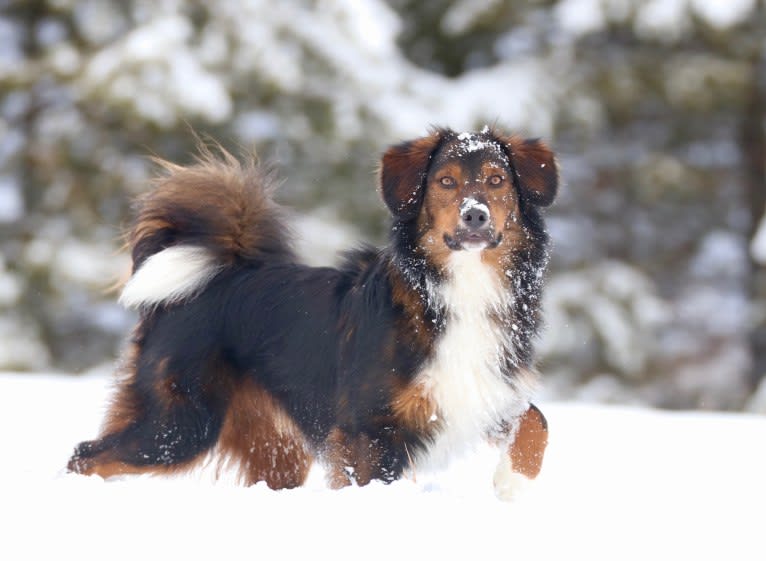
467, 377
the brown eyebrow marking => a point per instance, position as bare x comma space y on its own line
452, 169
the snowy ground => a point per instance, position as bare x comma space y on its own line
617, 483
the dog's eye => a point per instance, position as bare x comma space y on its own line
447, 181
496, 180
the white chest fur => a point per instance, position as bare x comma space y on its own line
464, 377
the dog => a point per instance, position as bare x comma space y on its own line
398, 360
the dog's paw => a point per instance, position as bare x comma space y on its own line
508, 484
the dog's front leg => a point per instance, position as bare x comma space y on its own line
523, 448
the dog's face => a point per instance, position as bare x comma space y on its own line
467, 191
469, 194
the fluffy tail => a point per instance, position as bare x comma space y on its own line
196, 222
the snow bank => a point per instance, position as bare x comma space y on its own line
617, 483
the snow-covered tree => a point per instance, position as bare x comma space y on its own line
91, 88
656, 109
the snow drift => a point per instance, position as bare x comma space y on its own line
617, 483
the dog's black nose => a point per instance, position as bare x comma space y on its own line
475, 217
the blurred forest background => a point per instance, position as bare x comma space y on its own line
657, 108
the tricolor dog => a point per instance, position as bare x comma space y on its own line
398, 360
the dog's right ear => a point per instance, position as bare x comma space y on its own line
403, 171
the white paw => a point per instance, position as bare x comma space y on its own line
509, 485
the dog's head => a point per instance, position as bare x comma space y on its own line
468, 191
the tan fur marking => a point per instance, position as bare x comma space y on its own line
107, 469
504, 208
414, 410
260, 438
528, 448
439, 215
337, 456
350, 459
103, 470
368, 457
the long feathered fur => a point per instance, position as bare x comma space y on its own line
197, 221
217, 203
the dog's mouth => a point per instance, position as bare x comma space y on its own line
473, 240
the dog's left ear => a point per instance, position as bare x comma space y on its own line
403, 171
536, 168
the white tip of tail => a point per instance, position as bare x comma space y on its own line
171, 276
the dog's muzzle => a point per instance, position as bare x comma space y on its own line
475, 231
